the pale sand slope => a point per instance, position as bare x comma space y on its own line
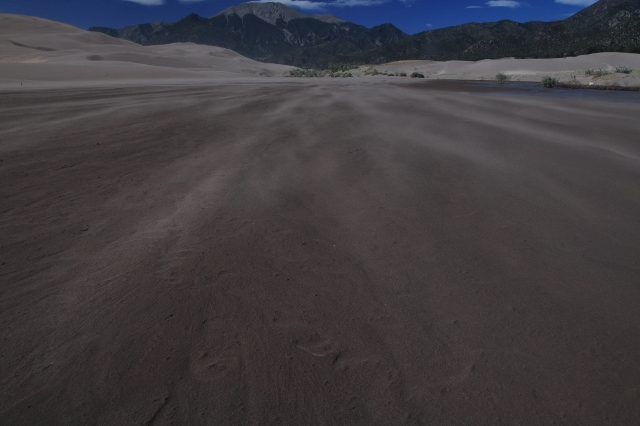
323, 251
529, 69
34, 49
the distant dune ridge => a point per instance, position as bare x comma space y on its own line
39, 49
572, 70
34, 49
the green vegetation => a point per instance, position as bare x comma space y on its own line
340, 74
624, 70
549, 82
337, 68
502, 78
596, 73
416, 74
305, 73
298, 72
403, 74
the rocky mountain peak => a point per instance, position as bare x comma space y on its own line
272, 12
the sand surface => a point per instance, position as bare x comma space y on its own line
258, 250
36, 51
570, 69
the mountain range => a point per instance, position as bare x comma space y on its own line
273, 32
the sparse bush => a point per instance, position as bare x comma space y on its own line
334, 68
416, 74
549, 82
624, 70
596, 73
502, 78
305, 73
340, 74
403, 74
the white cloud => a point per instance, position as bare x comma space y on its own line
475, 7
308, 5
299, 4
503, 3
583, 3
148, 2
428, 25
354, 3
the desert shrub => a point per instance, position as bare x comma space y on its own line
403, 74
334, 68
549, 82
416, 74
305, 73
502, 78
596, 73
340, 74
624, 70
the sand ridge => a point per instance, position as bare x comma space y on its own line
38, 50
564, 69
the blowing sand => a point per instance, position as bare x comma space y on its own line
321, 251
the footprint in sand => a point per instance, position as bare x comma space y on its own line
213, 365
317, 345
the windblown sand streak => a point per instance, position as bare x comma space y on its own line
318, 253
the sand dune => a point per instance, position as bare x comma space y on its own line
37, 50
565, 69
208, 246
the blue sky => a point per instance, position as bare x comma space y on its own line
411, 16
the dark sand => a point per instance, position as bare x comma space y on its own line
328, 252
